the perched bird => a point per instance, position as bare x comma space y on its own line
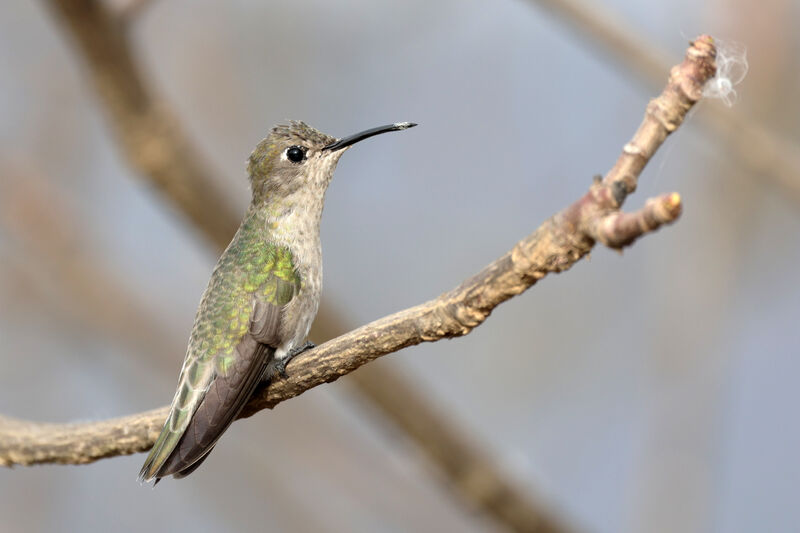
263, 295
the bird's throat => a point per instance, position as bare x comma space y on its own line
293, 220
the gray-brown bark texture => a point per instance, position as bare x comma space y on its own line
766, 154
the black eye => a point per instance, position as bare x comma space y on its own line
295, 154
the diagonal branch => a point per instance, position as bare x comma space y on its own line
766, 154
554, 247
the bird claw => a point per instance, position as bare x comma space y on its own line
291, 355
277, 367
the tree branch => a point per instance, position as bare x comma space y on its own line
554, 247
766, 154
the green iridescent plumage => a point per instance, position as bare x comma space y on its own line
250, 268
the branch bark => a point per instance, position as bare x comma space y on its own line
766, 154
554, 247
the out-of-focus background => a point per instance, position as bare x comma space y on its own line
650, 391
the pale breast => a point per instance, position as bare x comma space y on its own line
302, 310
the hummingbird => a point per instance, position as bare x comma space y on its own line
263, 295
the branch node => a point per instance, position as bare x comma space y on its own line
619, 229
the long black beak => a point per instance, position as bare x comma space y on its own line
347, 141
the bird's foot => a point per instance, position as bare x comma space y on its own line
277, 367
291, 355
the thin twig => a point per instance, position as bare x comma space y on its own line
554, 247
764, 153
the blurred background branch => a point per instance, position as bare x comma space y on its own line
148, 135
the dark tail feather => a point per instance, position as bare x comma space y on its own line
223, 401
186, 471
